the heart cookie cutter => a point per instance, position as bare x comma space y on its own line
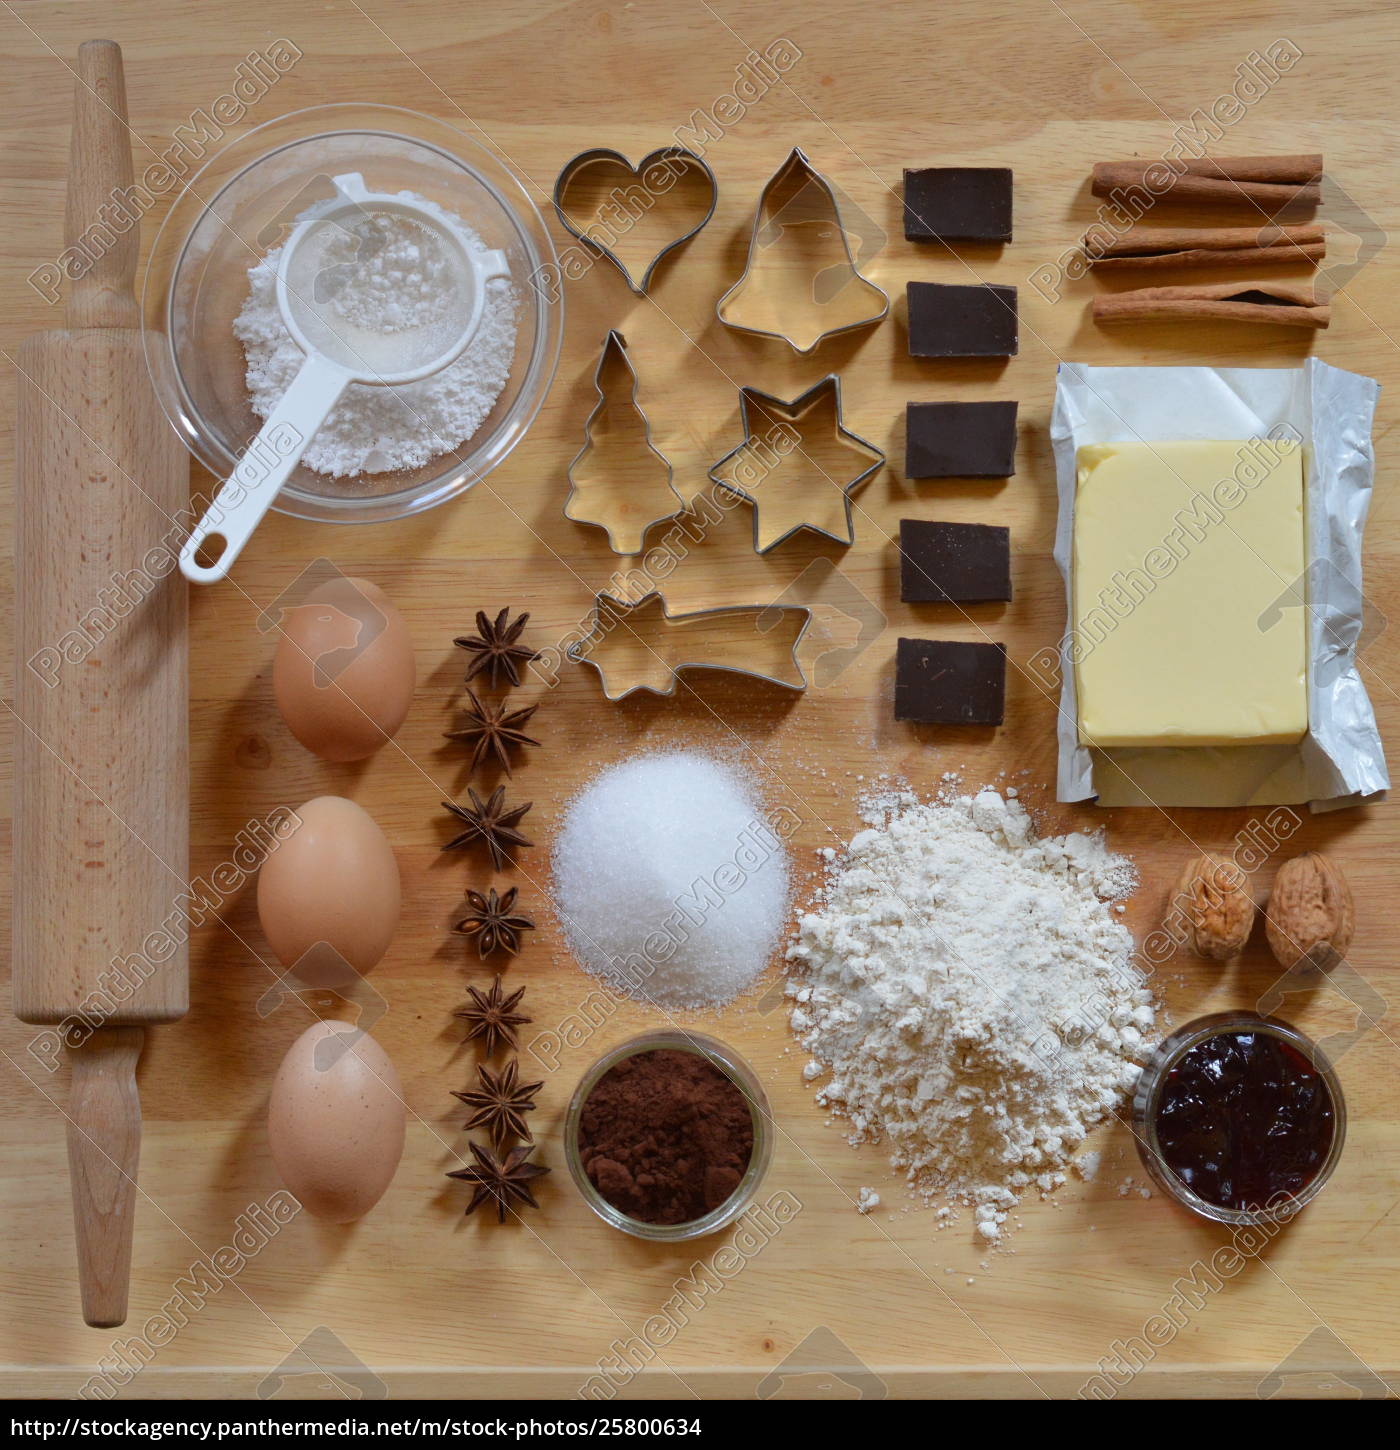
641, 636
636, 193
759, 462
800, 282
604, 490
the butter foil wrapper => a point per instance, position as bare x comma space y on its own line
1341, 761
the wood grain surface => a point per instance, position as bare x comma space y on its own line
418, 1299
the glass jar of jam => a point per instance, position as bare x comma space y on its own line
1239, 1117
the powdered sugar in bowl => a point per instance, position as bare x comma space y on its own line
242, 205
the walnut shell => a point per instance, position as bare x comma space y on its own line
1311, 916
1216, 910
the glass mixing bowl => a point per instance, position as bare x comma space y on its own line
245, 201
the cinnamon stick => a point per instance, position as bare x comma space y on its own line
1156, 247
1309, 254
1304, 167
1264, 181
1269, 302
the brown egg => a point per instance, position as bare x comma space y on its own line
343, 672
335, 1121
328, 896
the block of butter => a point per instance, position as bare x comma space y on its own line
1181, 552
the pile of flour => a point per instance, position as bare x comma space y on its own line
392, 284
966, 991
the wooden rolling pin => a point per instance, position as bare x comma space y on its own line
102, 759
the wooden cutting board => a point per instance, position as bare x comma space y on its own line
430, 1302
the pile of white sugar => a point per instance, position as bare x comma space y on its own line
967, 995
670, 880
392, 282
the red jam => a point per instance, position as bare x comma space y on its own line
1244, 1119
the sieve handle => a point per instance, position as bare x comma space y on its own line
248, 492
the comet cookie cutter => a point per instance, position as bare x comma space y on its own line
608, 476
759, 462
633, 632
801, 282
635, 195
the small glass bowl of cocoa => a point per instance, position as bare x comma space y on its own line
668, 1136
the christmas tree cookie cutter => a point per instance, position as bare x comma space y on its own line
792, 466
641, 646
801, 282
619, 479
613, 207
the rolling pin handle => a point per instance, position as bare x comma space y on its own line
99, 173
104, 1152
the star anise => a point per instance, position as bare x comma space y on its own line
489, 824
500, 1103
492, 1017
494, 649
490, 729
505, 1180
493, 922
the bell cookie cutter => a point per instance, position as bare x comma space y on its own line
606, 495
635, 634
638, 190
824, 293
759, 461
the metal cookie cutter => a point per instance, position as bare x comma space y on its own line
634, 195
801, 282
755, 470
619, 468
640, 639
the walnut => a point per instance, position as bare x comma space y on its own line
1311, 916
1217, 912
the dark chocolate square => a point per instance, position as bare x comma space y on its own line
960, 440
958, 204
961, 321
953, 563
949, 682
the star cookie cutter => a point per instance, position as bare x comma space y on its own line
608, 476
636, 194
800, 282
761, 459
637, 636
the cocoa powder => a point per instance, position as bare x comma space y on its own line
665, 1136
